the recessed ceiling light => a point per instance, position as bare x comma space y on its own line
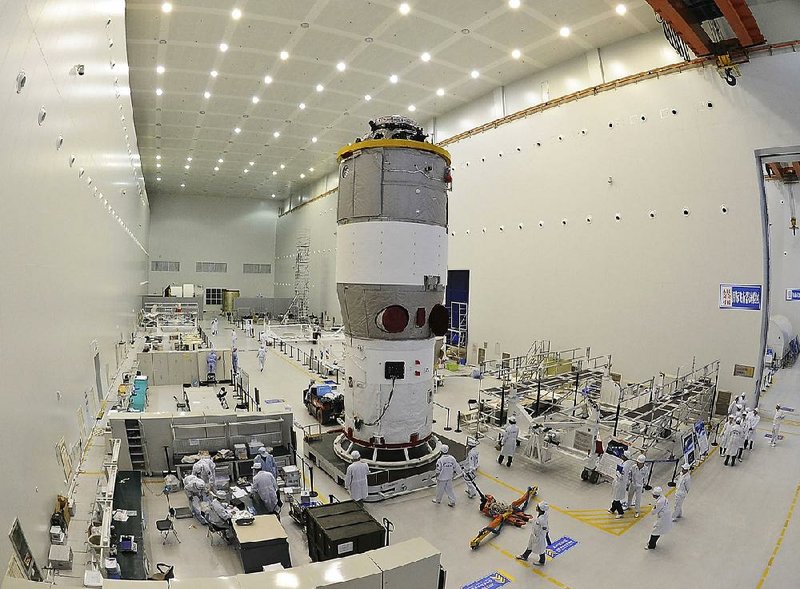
393, 78
214, 73
220, 160
187, 166
564, 31
158, 165
158, 157
411, 108
475, 74
273, 196
302, 106
276, 134
223, 47
426, 57
284, 55
516, 54
159, 92
252, 164
341, 66
621, 9
268, 79
255, 99
283, 166
320, 87
367, 97
514, 3
313, 140
158, 178
216, 168
274, 173
404, 8
183, 185
237, 130
206, 94
311, 169
188, 159
246, 170
160, 69
166, 7
236, 14
440, 92
302, 176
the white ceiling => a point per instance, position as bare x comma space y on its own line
371, 37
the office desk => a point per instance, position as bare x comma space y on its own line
261, 543
128, 496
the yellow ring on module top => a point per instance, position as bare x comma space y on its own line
348, 150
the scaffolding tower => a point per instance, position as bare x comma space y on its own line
298, 309
457, 332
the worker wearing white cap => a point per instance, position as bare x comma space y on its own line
265, 487
355, 479
753, 418
266, 460
663, 523
618, 493
636, 485
508, 441
447, 469
471, 467
734, 442
540, 533
681, 490
777, 420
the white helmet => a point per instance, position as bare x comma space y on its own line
641, 458
657, 491
256, 466
445, 448
471, 442
512, 419
543, 505
355, 455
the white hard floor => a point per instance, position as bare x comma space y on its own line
738, 528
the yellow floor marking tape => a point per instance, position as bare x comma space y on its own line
95, 473
610, 526
536, 571
780, 538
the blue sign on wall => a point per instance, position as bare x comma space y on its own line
740, 296
560, 546
793, 294
490, 581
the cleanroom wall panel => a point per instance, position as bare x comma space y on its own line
236, 231
643, 289
72, 268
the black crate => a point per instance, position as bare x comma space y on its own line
341, 529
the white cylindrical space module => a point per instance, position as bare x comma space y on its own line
391, 270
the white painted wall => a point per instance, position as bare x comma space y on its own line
71, 272
190, 229
785, 250
319, 220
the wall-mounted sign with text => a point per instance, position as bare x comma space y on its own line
793, 294
740, 296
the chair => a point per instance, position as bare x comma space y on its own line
167, 525
221, 531
164, 572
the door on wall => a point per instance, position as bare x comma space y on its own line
98, 378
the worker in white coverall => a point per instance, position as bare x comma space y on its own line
471, 468
618, 489
214, 326
636, 485
777, 420
266, 488
195, 490
537, 544
447, 469
663, 522
734, 442
753, 419
508, 441
681, 490
355, 479
262, 358
726, 435
205, 469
